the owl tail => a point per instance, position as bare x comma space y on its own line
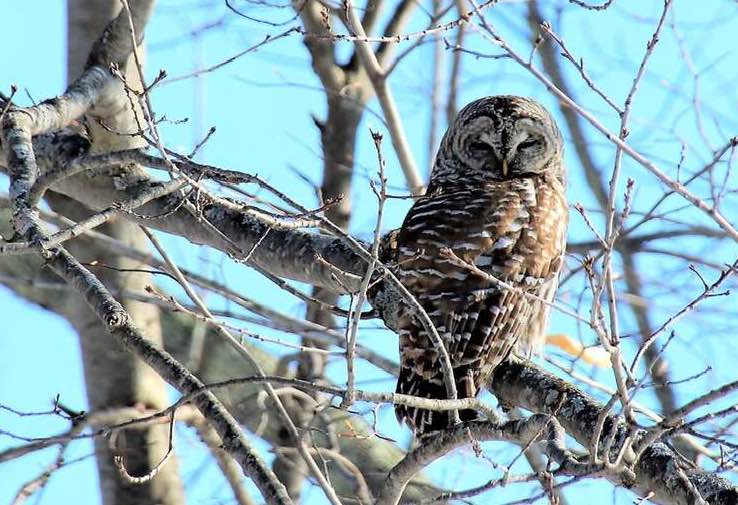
423, 421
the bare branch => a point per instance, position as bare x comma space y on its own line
520, 431
531, 388
384, 94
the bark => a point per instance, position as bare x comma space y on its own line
114, 377
523, 385
18, 127
659, 470
373, 455
283, 252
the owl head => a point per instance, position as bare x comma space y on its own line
497, 138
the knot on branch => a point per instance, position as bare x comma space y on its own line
115, 318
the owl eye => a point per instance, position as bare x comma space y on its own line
480, 147
530, 142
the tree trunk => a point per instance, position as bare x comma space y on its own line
114, 377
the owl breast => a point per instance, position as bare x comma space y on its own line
512, 231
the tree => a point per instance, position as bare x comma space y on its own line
651, 259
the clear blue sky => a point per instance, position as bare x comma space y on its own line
262, 106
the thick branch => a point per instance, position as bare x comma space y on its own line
122, 329
520, 431
659, 469
374, 456
285, 253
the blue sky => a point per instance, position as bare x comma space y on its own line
262, 106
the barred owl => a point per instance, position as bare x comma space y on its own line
497, 200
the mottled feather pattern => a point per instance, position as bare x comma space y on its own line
511, 227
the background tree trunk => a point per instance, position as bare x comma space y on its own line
114, 377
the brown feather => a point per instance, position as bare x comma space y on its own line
479, 321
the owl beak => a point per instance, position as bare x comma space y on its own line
505, 167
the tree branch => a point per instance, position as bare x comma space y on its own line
285, 253
658, 470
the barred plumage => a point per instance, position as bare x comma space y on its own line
497, 200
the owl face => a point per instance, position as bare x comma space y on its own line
499, 137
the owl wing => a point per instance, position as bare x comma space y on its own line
511, 230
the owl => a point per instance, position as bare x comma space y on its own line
495, 210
